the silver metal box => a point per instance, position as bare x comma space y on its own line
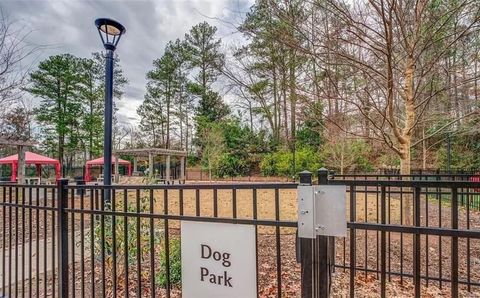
322, 211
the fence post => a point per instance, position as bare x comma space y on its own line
325, 250
62, 236
306, 248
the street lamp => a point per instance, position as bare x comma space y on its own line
110, 32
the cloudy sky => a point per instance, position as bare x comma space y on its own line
66, 26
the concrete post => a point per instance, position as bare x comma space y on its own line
21, 165
167, 168
150, 165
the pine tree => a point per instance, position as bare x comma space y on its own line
57, 82
205, 56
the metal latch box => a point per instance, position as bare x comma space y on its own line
322, 210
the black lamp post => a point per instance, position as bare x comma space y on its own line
110, 32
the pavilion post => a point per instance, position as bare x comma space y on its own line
21, 165
38, 167
150, 165
117, 177
13, 178
135, 164
167, 169
182, 168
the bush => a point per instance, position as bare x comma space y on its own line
122, 235
280, 163
232, 165
192, 160
175, 265
347, 155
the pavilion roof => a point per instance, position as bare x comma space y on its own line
154, 151
30, 158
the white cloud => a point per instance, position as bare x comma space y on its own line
66, 26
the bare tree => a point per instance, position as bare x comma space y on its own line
14, 49
388, 52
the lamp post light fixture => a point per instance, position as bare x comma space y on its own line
110, 32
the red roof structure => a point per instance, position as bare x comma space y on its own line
30, 158
100, 161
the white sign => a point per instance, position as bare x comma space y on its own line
218, 260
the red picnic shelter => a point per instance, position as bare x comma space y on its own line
99, 162
30, 159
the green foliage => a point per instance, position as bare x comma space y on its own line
192, 160
123, 235
236, 147
462, 157
175, 260
344, 155
211, 106
310, 131
280, 163
57, 82
165, 95
232, 165
71, 90
203, 53
388, 160
213, 143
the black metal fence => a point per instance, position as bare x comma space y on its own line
406, 236
418, 232
59, 241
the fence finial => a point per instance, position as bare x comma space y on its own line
305, 177
322, 176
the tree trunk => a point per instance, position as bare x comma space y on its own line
209, 170
275, 132
250, 111
284, 91
342, 157
21, 165
167, 143
406, 137
424, 150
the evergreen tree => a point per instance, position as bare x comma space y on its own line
57, 82
205, 56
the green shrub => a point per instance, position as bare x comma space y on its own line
347, 155
280, 163
231, 166
192, 160
122, 235
175, 265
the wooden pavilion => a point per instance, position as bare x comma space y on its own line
151, 153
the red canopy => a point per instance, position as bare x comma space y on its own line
99, 161
30, 158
